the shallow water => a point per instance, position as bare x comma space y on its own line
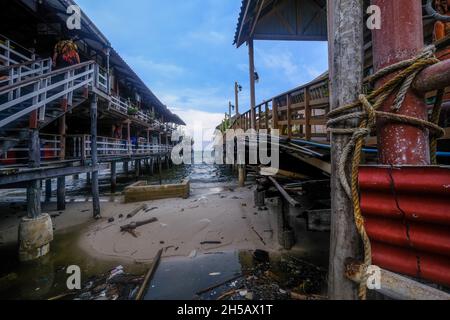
47, 277
182, 278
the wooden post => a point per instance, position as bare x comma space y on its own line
289, 116
345, 31
113, 176
61, 181
125, 167
137, 168
236, 97
242, 175
95, 187
267, 116
130, 148
160, 170
308, 130
251, 60
61, 193
274, 114
48, 190
34, 187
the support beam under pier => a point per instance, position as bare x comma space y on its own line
95, 186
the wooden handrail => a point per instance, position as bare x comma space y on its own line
47, 75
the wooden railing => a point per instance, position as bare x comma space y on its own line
80, 147
12, 53
50, 146
298, 113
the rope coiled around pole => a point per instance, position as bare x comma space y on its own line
367, 114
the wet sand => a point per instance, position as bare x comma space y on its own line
225, 220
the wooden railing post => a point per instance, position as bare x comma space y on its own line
289, 115
274, 115
308, 129
267, 117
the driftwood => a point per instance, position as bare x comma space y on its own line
132, 226
259, 236
137, 210
149, 275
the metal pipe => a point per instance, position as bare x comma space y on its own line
433, 78
400, 38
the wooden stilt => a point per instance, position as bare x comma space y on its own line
48, 190
137, 167
125, 167
61, 193
242, 175
34, 187
113, 177
95, 187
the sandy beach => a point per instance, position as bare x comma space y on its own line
203, 223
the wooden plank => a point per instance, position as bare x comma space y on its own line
319, 164
285, 195
396, 286
149, 275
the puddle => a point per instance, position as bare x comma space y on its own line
182, 278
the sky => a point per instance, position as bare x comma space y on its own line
183, 50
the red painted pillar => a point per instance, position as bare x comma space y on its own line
400, 38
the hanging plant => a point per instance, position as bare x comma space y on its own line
132, 111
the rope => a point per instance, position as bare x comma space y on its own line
367, 114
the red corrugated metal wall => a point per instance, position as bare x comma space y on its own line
407, 212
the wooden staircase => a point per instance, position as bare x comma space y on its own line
34, 90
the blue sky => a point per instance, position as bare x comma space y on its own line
183, 51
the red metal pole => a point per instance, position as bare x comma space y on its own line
400, 38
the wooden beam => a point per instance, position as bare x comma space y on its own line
396, 286
274, 114
289, 115
251, 54
34, 186
285, 195
345, 27
94, 157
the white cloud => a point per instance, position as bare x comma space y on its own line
199, 124
285, 61
161, 69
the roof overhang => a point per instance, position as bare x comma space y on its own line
282, 20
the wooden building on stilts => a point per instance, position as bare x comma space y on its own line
76, 119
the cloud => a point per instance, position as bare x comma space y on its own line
159, 69
295, 73
199, 124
